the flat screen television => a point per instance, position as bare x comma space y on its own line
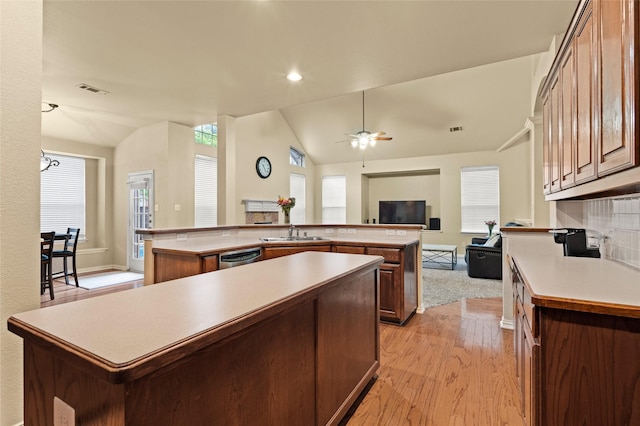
403, 212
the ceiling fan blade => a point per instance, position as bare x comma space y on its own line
378, 134
343, 141
387, 138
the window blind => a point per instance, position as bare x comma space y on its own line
334, 199
62, 196
297, 190
206, 191
480, 197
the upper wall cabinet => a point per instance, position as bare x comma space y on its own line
589, 101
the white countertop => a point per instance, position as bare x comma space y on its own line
121, 328
216, 245
581, 282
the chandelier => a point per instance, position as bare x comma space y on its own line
46, 162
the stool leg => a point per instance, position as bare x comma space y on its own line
75, 271
43, 272
66, 270
50, 279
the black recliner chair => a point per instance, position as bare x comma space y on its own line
484, 258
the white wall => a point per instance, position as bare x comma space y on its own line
94, 253
514, 164
169, 150
267, 134
20, 99
388, 188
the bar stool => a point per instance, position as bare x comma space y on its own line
46, 250
69, 251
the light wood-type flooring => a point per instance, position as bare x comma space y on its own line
452, 365
64, 293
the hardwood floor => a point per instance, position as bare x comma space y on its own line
64, 293
452, 365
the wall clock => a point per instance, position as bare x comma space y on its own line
263, 167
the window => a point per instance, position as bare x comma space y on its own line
62, 196
206, 191
334, 199
480, 201
207, 134
296, 158
297, 190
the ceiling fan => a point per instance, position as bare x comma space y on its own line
364, 138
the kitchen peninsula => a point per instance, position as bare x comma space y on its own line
292, 340
184, 252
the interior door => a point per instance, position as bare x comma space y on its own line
140, 216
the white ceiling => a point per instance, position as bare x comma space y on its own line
190, 61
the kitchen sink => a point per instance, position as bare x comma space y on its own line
281, 239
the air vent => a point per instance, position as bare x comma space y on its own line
455, 129
92, 89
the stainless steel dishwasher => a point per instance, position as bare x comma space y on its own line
239, 257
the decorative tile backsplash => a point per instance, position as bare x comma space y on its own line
616, 218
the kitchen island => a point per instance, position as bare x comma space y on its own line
178, 253
292, 340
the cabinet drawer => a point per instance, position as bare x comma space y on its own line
349, 249
390, 255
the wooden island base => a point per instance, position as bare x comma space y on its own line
301, 360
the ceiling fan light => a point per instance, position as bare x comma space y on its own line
363, 143
354, 143
372, 142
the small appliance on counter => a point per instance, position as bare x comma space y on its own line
574, 242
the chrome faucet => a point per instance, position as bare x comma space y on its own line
291, 230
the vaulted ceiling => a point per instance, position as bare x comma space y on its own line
425, 66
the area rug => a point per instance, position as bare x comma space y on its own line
92, 282
446, 286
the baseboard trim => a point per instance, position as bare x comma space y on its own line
507, 324
102, 268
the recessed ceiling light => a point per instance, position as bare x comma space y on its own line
294, 76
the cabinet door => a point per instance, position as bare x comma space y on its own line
210, 263
529, 376
546, 144
566, 102
554, 147
390, 299
586, 91
617, 148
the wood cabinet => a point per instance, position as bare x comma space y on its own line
170, 266
574, 366
590, 97
525, 344
566, 139
398, 291
585, 97
273, 252
398, 283
618, 37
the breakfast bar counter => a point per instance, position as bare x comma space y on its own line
292, 340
